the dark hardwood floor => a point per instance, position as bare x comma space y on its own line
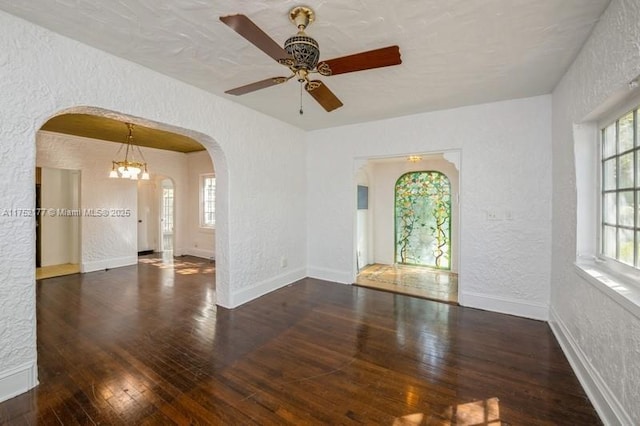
147, 345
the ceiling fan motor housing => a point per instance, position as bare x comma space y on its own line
304, 50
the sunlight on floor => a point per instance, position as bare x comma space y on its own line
182, 265
418, 281
476, 413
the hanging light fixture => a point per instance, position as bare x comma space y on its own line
130, 167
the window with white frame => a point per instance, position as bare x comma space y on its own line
208, 201
620, 190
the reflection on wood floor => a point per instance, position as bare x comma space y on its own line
417, 281
147, 345
57, 270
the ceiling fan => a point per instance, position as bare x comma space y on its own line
301, 54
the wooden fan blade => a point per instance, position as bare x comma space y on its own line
247, 29
263, 84
323, 95
377, 58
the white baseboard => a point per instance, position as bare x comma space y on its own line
205, 254
330, 275
18, 380
504, 305
250, 293
609, 408
101, 265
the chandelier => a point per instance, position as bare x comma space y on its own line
130, 167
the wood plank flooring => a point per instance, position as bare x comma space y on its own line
419, 281
57, 270
147, 345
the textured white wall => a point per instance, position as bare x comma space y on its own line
364, 231
506, 168
260, 170
59, 234
384, 177
605, 334
200, 241
109, 242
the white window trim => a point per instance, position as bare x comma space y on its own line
622, 289
201, 201
612, 266
620, 282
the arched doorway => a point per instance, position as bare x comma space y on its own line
422, 214
172, 203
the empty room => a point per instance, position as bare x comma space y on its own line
276, 212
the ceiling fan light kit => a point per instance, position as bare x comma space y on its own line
301, 54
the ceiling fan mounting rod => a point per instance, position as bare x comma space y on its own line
302, 16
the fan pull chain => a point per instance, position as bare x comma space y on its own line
301, 111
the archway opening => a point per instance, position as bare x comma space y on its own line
89, 140
407, 224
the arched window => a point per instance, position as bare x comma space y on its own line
423, 219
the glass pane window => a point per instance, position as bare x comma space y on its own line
626, 209
167, 210
620, 169
626, 171
609, 174
625, 132
626, 246
208, 201
609, 241
609, 211
637, 169
609, 141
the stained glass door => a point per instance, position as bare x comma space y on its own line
423, 220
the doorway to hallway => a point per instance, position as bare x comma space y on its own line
57, 222
407, 225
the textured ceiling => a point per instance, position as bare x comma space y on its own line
454, 52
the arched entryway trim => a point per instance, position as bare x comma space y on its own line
222, 177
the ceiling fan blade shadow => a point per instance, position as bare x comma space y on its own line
263, 84
321, 93
250, 31
377, 58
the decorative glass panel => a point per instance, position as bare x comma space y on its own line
609, 143
609, 241
610, 174
625, 133
626, 246
626, 171
423, 219
609, 211
626, 208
